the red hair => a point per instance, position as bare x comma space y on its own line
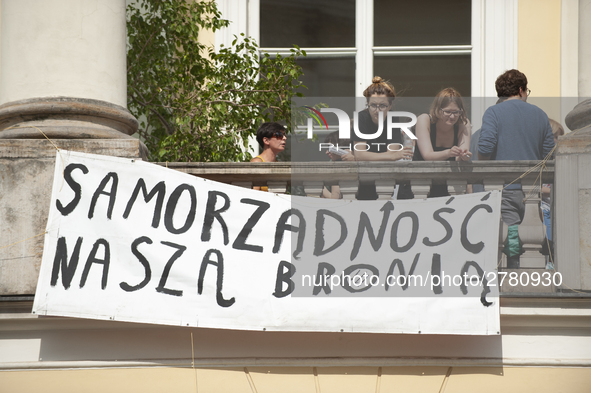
380, 87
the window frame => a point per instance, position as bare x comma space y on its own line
493, 46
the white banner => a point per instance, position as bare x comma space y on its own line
132, 241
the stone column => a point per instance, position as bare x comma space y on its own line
572, 192
63, 70
572, 205
63, 78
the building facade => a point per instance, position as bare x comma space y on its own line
62, 75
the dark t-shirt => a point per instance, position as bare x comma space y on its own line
367, 126
433, 133
367, 191
437, 190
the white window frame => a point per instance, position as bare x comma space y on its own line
494, 49
493, 46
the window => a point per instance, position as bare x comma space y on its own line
421, 47
326, 29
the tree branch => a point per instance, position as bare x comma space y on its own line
142, 51
167, 126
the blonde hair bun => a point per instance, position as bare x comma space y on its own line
377, 79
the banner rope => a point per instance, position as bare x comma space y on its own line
193, 361
21, 241
63, 169
38, 129
50, 141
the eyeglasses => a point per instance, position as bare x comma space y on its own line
528, 92
450, 113
278, 135
375, 107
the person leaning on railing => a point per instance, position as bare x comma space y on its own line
271, 137
514, 130
444, 133
380, 99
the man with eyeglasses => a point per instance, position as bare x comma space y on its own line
514, 130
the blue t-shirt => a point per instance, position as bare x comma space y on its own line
515, 130
474, 144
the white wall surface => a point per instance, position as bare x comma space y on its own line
71, 48
584, 48
557, 336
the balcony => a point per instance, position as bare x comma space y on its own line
310, 178
21, 264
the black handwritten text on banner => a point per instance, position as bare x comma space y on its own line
131, 241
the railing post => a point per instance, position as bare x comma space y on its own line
313, 188
277, 187
244, 184
457, 187
348, 188
531, 230
420, 187
385, 188
493, 184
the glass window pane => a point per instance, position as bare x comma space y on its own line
423, 22
425, 76
307, 23
328, 77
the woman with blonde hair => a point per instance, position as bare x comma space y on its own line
444, 133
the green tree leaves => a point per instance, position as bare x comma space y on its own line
194, 104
